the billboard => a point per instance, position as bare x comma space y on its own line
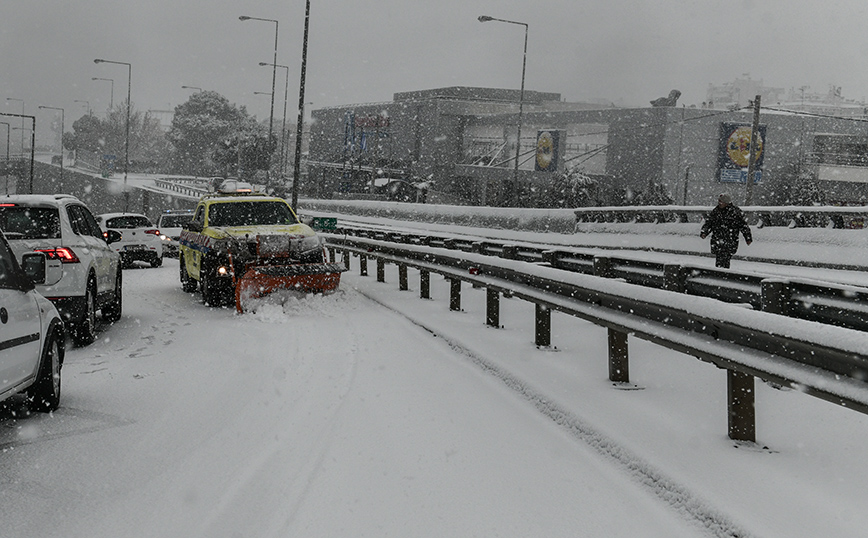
733, 156
549, 150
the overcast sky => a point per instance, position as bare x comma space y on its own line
625, 51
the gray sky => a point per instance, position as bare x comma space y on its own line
626, 51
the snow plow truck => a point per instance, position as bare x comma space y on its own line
241, 245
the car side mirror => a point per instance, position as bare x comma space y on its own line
194, 226
34, 267
112, 236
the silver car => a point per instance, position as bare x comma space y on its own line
31, 333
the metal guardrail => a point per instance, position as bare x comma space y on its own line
830, 363
793, 217
844, 306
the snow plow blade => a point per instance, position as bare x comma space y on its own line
259, 281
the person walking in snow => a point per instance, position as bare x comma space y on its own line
724, 223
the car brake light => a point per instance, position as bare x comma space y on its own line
64, 254
154, 232
8, 205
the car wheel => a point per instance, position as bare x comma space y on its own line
187, 283
112, 311
84, 332
44, 395
156, 261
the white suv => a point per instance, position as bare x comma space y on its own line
31, 333
83, 273
140, 239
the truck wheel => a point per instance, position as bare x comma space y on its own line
44, 395
187, 283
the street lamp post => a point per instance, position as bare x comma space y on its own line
296, 169
62, 127
86, 105
32, 140
22, 122
8, 132
112, 96
283, 126
485, 18
273, 80
127, 136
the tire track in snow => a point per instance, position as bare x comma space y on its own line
679, 498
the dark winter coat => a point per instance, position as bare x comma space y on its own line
724, 224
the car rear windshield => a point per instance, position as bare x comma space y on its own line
249, 214
128, 221
23, 222
175, 221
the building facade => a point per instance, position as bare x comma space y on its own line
460, 144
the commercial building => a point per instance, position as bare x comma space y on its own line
458, 143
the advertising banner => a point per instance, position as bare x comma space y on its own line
548, 150
733, 156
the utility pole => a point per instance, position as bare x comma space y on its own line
751, 166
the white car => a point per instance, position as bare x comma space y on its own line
83, 273
31, 333
170, 224
140, 239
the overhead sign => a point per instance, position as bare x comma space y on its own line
733, 157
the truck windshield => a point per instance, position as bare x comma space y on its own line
250, 214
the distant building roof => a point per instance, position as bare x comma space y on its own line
466, 93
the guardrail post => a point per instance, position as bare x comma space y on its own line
619, 363
402, 277
424, 284
492, 308
740, 397
673, 278
602, 266
381, 270
774, 296
543, 326
363, 264
454, 294
332, 254
509, 252
347, 257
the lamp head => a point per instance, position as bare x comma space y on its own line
263, 63
243, 18
98, 61
485, 18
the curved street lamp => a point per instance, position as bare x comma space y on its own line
22, 121
112, 99
8, 131
273, 79
32, 140
62, 127
486, 18
193, 88
283, 126
86, 104
127, 136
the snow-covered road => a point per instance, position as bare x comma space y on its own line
371, 412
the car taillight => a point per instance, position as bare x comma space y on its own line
64, 254
8, 205
153, 232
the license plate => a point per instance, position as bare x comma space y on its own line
134, 247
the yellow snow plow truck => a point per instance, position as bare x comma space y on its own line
241, 245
